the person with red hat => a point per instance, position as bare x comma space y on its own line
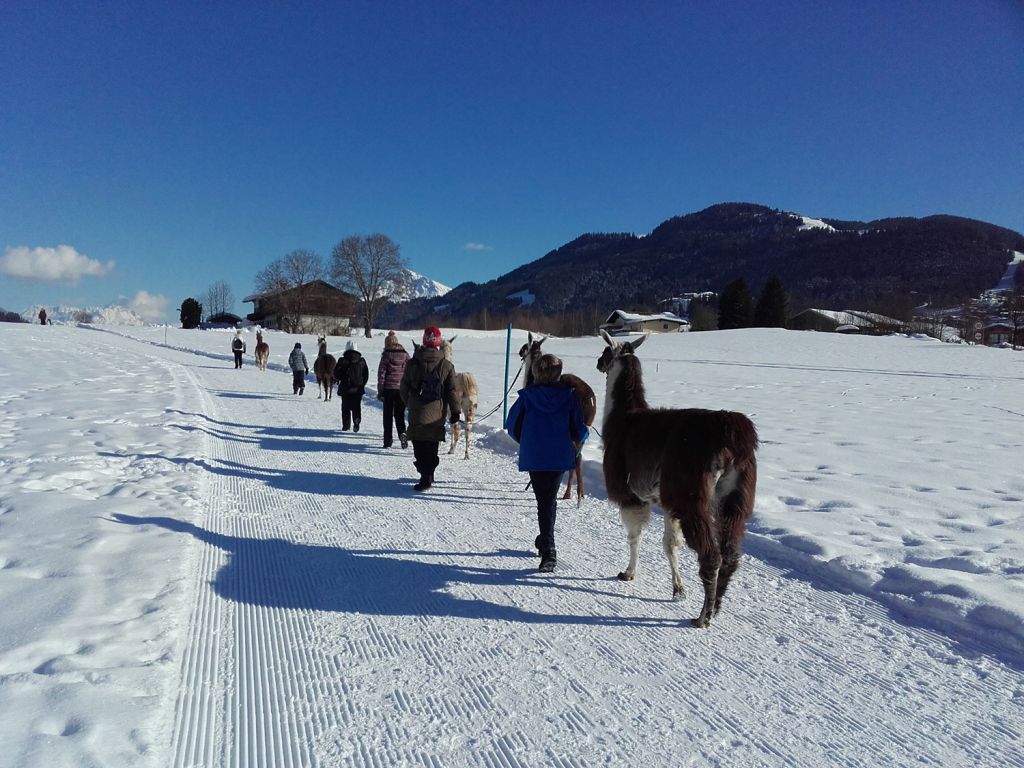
429, 395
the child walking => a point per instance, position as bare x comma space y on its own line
545, 421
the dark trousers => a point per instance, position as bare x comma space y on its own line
298, 381
238, 358
351, 410
545, 489
426, 461
394, 414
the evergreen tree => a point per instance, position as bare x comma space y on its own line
735, 307
191, 313
772, 308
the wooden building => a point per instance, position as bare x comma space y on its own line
629, 322
313, 307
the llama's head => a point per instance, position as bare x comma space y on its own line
530, 353
531, 349
610, 360
622, 369
446, 349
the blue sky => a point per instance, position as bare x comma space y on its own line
171, 145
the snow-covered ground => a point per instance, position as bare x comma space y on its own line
199, 568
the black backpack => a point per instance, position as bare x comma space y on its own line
430, 385
353, 376
238, 345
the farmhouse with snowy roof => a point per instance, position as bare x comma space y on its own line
846, 321
630, 322
313, 307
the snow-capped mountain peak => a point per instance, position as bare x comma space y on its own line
417, 287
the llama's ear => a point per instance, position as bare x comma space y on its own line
639, 341
529, 337
452, 339
541, 341
607, 338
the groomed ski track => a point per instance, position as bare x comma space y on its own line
337, 618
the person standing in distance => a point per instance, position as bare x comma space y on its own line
428, 392
545, 421
389, 378
300, 369
351, 374
238, 348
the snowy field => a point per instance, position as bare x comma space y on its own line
197, 568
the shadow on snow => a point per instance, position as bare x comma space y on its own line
284, 574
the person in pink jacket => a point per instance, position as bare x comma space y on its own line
389, 378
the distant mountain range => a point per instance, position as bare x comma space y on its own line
822, 262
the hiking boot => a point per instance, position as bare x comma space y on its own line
423, 484
547, 562
403, 440
355, 427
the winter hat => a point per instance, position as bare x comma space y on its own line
391, 340
432, 337
297, 345
351, 347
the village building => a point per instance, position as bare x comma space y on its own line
222, 320
999, 333
313, 307
845, 321
620, 322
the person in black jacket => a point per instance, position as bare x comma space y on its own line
351, 373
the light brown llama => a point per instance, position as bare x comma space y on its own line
698, 465
468, 395
262, 351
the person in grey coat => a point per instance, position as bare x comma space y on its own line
300, 369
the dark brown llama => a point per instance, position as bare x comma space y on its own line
323, 368
698, 465
530, 353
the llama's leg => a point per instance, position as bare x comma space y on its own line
579, 477
455, 438
730, 562
568, 485
710, 563
671, 540
469, 430
736, 507
635, 519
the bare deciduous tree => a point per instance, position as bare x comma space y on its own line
218, 298
370, 268
294, 270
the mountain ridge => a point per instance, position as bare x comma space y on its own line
824, 261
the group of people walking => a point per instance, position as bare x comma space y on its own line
546, 420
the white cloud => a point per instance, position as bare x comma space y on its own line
151, 307
52, 264
477, 247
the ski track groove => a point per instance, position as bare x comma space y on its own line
286, 681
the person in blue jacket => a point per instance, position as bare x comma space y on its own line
545, 421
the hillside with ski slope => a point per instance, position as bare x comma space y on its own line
199, 568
